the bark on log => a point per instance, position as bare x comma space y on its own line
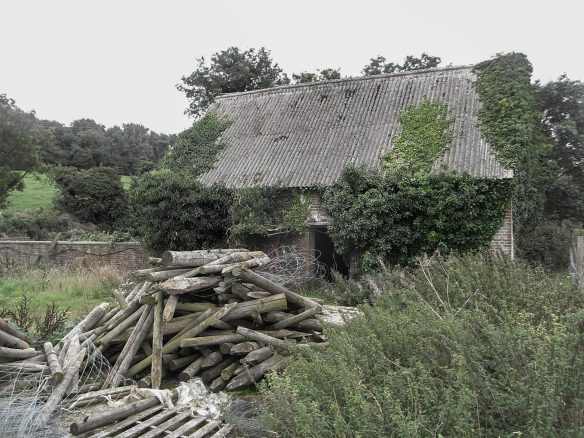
53, 361
182, 362
156, 370
225, 348
294, 320
169, 308
174, 344
7, 340
71, 372
181, 285
253, 375
270, 286
12, 329
92, 422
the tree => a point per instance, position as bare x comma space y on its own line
230, 71
379, 65
326, 74
21, 137
94, 195
562, 105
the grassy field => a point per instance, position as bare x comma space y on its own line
80, 289
39, 192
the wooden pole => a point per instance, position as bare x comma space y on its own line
156, 369
53, 361
169, 308
182, 285
293, 320
12, 329
253, 375
17, 353
7, 340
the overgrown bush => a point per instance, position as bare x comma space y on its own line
41, 224
547, 243
464, 347
94, 195
172, 210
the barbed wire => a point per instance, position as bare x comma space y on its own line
290, 266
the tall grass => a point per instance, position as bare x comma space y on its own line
78, 288
466, 347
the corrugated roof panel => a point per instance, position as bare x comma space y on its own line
304, 135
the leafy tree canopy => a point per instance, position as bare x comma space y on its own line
230, 71
21, 137
326, 74
379, 65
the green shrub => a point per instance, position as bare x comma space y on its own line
464, 347
94, 195
548, 243
172, 210
40, 224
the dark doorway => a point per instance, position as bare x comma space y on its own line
324, 250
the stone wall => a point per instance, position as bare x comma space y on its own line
124, 256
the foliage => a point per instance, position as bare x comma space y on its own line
172, 210
80, 288
95, 195
260, 211
21, 137
38, 191
548, 243
464, 347
326, 74
425, 136
41, 224
398, 217
562, 105
510, 121
379, 65
132, 148
230, 70
197, 148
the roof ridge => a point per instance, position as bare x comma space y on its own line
346, 79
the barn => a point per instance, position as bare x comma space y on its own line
302, 136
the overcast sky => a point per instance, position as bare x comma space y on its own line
119, 61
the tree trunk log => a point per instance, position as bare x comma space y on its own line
253, 375
181, 285
156, 369
165, 275
257, 356
12, 329
294, 320
169, 308
205, 341
53, 361
262, 337
7, 340
274, 288
16, 353
212, 359
244, 347
213, 372
192, 370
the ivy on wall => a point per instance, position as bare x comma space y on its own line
425, 136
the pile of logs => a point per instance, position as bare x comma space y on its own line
198, 313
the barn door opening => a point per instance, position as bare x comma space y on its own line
324, 250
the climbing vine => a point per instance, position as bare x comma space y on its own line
425, 136
261, 211
398, 217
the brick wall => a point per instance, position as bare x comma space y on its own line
502, 242
124, 256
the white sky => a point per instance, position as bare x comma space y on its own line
119, 61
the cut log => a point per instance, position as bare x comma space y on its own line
130, 349
257, 356
181, 285
165, 275
253, 263
244, 347
264, 338
212, 359
53, 361
262, 305
71, 373
182, 362
236, 257
12, 329
195, 307
225, 348
89, 321
120, 299
205, 341
253, 375
174, 344
123, 325
213, 372
7, 340
16, 353
169, 308
189, 259
156, 370
97, 420
192, 370
294, 320
270, 286
229, 371
95, 397
218, 384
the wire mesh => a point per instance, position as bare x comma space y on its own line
290, 266
25, 387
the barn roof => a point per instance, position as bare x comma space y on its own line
304, 135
